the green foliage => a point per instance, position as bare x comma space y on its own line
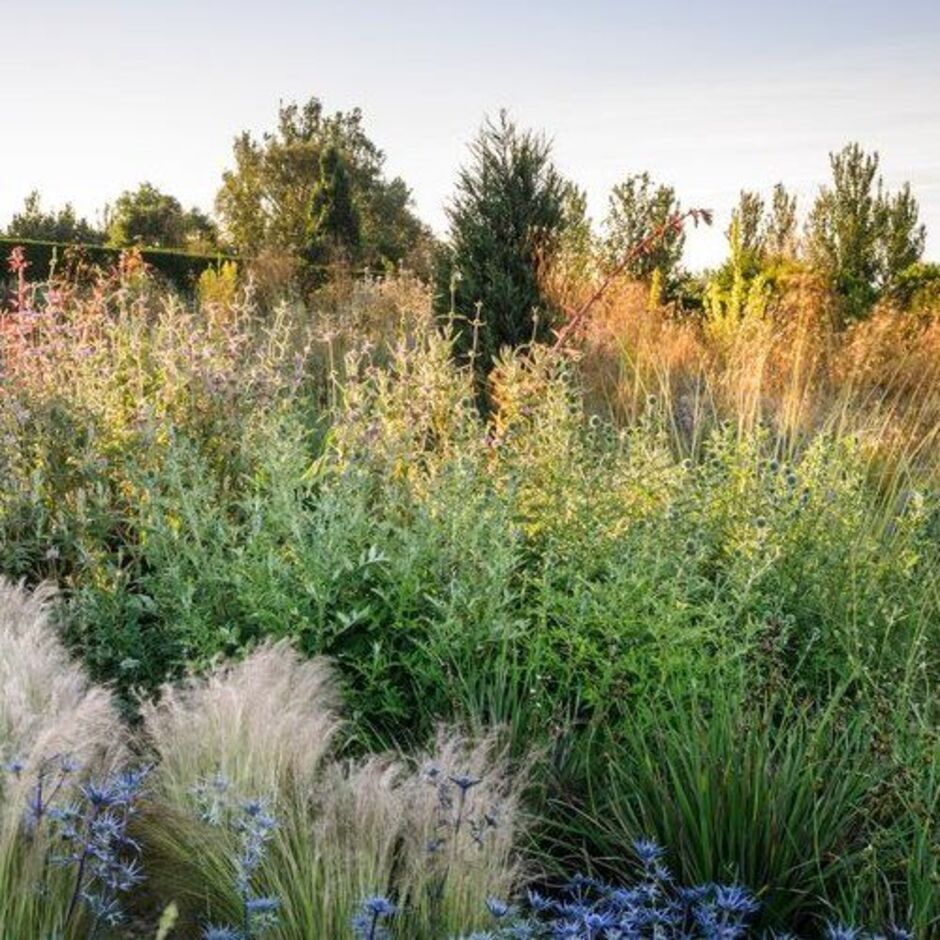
741, 786
779, 235
265, 201
748, 217
638, 208
33, 224
196, 487
149, 218
918, 287
218, 286
180, 268
508, 213
861, 236
335, 231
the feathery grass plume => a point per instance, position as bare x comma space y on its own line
55, 729
345, 830
259, 728
265, 724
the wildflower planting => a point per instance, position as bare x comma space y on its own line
336, 623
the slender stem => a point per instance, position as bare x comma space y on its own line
673, 224
80, 874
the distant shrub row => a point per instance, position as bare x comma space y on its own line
180, 268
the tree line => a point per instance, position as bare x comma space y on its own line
314, 189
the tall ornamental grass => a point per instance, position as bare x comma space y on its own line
56, 729
437, 832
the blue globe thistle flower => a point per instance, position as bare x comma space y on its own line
647, 851
213, 932
379, 906
733, 899
367, 923
259, 906
841, 932
499, 909
540, 904
465, 782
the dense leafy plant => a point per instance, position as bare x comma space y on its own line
266, 199
860, 235
148, 217
637, 208
509, 209
34, 223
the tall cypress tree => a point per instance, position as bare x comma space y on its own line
507, 212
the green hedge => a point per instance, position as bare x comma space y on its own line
179, 267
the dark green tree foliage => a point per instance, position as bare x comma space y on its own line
334, 230
265, 200
509, 212
637, 208
859, 235
57, 226
148, 217
180, 268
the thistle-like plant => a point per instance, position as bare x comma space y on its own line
254, 826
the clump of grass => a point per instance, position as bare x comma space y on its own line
264, 723
56, 729
769, 794
264, 729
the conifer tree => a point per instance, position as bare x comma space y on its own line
507, 213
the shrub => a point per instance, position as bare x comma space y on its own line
181, 269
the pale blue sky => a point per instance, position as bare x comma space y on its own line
97, 96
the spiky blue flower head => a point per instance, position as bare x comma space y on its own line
99, 795
69, 765
598, 920
499, 909
259, 906
567, 930
127, 785
841, 932
733, 899
647, 851
521, 931
899, 933
464, 782
694, 895
15, 766
105, 909
539, 903
220, 933
379, 906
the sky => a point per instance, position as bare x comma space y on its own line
708, 96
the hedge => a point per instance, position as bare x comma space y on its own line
179, 267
